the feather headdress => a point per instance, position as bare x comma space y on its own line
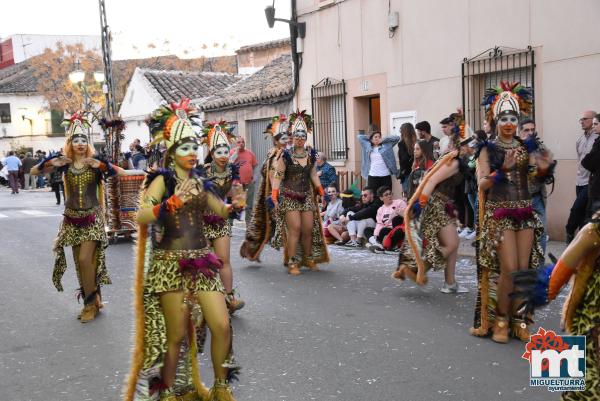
173, 123
278, 126
507, 98
77, 125
217, 134
300, 121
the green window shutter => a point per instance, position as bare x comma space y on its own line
56, 118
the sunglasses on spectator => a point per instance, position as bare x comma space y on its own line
386, 194
364, 195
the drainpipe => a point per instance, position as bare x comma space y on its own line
296, 59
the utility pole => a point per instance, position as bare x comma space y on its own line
113, 145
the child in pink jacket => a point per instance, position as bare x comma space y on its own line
389, 219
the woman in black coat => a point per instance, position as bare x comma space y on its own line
405, 153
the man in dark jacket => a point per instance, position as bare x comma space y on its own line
361, 223
28, 163
591, 162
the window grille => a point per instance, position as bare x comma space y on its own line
487, 69
328, 99
5, 113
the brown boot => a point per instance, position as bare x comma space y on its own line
89, 312
233, 304
99, 304
221, 391
500, 330
294, 268
312, 265
403, 272
519, 330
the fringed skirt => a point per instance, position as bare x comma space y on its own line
216, 226
499, 217
79, 226
439, 213
586, 322
294, 202
260, 229
167, 272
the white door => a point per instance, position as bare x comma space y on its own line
400, 117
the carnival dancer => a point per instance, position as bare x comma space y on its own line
581, 312
226, 180
177, 287
298, 220
509, 230
262, 223
430, 219
83, 224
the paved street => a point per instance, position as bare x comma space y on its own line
347, 333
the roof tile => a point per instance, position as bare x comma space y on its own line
173, 85
271, 84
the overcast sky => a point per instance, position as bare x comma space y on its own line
188, 28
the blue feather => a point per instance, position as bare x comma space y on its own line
417, 209
270, 204
540, 291
531, 144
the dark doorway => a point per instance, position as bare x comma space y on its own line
374, 112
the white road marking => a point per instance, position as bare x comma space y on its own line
3, 216
34, 212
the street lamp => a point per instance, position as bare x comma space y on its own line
77, 77
270, 14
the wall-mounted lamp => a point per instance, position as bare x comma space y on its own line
23, 117
270, 14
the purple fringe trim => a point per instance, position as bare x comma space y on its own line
519, 214
213, 220
450, 209
81, 222
208, 265
294, 196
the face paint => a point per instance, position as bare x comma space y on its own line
508, 119
299, 135
283, 140
187, 149
79, 140
221, 152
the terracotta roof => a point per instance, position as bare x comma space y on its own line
18, 78
271, 84
264, 45
173, 85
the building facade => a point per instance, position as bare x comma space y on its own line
388, 62
250, 104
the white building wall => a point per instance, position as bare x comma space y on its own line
419, 68
139, 101
36, 134
20, 132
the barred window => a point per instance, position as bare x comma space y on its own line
329, 117
5, 113
486, 70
